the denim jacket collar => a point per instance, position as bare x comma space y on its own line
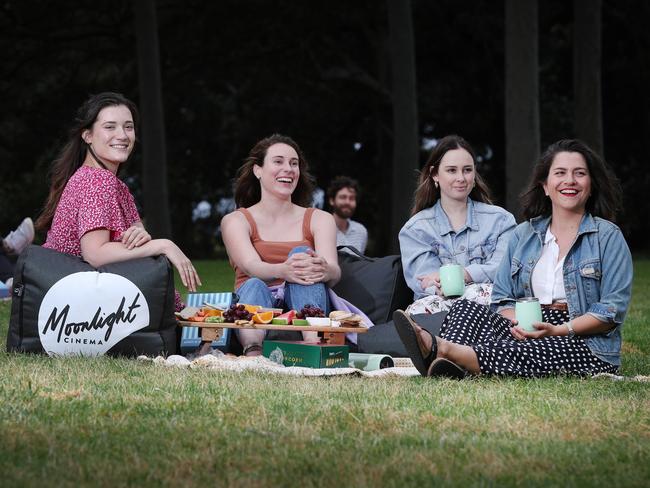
540, 225
445, 226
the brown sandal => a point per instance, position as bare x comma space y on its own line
254, 348
447, 369
408, 333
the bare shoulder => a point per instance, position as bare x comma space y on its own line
234, 220
320, 217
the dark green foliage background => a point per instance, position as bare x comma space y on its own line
235, 71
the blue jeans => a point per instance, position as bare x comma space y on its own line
255, 292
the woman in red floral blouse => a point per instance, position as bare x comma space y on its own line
89, 211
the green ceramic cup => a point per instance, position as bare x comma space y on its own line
370, 362
452, 280
527, 311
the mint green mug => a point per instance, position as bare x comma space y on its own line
370, 362
528, 311
452, 280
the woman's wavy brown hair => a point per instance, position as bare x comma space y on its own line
247, 186
606, 194
427, 194
73, 154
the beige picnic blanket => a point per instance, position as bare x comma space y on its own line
260, 363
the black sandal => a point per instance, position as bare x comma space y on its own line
447, 369
406, 329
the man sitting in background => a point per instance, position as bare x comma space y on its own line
342, 194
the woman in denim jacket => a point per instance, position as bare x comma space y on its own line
568, 256
452, 222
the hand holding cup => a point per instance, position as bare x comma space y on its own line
452, 280
528, 311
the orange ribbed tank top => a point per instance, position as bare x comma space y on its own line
273, 252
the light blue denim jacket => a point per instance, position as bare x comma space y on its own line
427, 241
597, 276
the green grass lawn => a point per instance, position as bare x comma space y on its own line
118, 422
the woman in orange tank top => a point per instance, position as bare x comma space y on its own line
283, 253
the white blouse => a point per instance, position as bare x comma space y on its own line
547, 278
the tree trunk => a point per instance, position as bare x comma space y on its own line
154, 152
587, 72
521, 97
405, 116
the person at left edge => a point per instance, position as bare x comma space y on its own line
10, 247
89, 212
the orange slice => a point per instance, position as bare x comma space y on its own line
210, 312
251, 308
263, 318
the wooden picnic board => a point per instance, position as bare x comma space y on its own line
334, 335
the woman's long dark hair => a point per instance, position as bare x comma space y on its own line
427, 194
247, 187
606, 193
74, 152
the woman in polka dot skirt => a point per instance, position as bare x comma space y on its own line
89, 211
570, 257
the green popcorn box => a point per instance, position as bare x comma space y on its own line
307, 354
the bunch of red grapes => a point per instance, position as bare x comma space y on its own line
310, 311
237, 312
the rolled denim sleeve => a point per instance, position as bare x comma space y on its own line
486, 272
616, 281
503, 289
418, 256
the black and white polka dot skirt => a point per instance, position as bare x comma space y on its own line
499, 353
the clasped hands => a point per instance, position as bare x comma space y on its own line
306, 268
